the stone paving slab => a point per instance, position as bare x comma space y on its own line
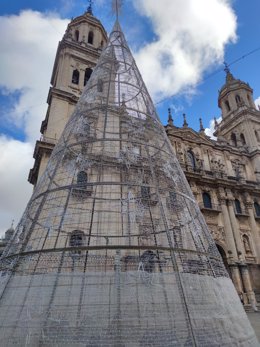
254, 318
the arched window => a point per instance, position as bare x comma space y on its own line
82, 178
100, 85
102, 44
242, 138
145, 192
90, 37
76, 240
148, 260
206, 200
233, 139
238, 206
75, 77
238, 99
76, 35
227, 106
257, 136
87, 75
257, 209
191, 158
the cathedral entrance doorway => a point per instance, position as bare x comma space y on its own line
224, 258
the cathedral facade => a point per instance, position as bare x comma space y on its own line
224, 174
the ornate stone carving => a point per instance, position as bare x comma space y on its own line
246, 243
217, 232
221, 194
217, 167
210, 217
199, 162
180, 153
238, 168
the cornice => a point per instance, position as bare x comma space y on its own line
189, 135
179, 135
86, 18
236, 118
216, 183
85, 48
72, 98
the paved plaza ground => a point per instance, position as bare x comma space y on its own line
254, 318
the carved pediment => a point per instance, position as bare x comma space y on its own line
190, 135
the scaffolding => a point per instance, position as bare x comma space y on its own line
112, 249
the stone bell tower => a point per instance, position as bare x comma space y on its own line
76, 56
240, 125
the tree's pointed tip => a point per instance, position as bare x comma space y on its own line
116, 26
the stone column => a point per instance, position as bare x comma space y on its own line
236, 231
231, 246
247, 285
236, 278
254, 229
228, 230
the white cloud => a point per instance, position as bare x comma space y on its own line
28, 46
209, 131
257, 102
191, 37
15, 162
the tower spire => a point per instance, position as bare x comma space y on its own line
170, 119
201, 125
229, 76
185, 124
226, 69
89, 9
215, 123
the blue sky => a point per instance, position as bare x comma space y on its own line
178, 45
204, 102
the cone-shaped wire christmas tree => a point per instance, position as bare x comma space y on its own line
112, 249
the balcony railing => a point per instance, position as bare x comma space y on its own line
212, 207
241, 212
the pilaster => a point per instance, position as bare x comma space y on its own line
247, 284
236, 278
254, 229
231, 245
235, 228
